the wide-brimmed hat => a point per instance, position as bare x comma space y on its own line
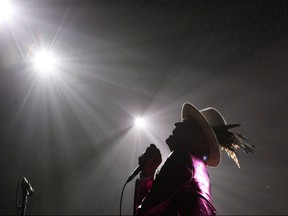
207, 118
218, 134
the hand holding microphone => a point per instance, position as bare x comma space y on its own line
148, 162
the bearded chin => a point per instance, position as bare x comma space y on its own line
171, 142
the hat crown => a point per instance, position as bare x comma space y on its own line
213, 117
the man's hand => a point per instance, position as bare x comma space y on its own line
150, 160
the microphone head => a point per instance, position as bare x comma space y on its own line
26, 186
137, 170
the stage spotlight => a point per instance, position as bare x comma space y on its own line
44, 62
140, 122
6, 10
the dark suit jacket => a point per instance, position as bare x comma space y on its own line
182, 187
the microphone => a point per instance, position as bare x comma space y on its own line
141, 159
137, 170
26, 186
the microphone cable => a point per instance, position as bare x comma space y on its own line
122, 197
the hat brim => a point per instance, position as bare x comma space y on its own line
189, 111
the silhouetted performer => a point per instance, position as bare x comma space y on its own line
182, 187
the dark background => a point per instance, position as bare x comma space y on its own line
72, 135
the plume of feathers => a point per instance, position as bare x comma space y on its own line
231, 142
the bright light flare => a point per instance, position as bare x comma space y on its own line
140, 122
6, 10
44, 62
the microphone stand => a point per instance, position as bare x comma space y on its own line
24, 202
27, 190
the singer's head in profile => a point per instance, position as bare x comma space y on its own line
182, 187
195, 134
189, 135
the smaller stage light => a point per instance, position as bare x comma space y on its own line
44, 62
140, 122
6, 10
